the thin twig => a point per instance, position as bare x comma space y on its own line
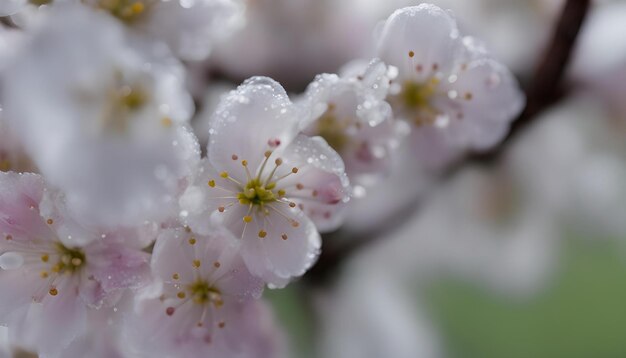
544, 90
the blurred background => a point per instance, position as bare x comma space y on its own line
525, 257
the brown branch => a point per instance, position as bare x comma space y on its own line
544, 90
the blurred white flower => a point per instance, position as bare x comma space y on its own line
351, 114
5, 347
100, 120
199, 304
574, 158
53, 270
189, 27
487, 227
369, 314
270, 186
449, 87
293, 40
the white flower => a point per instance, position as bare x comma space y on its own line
454, 93
270, 186
189, 27
197, 307
101, 120
53, 270
351, 114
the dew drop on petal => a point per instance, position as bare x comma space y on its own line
11, 261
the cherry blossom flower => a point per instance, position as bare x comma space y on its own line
54, 271
270, 186
196, 308
110, 121
190, 28
453, 92
351, 114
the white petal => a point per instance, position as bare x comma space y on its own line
321, 173
254, 118
191, 28
285, 251
425, 30
487, 100
10, 7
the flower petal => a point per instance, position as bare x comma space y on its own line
422, 35
320, 181
250, 120
289, 246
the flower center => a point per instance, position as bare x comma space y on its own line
70, 259
5, 163
203, 293
40, 2
332, 129
124, 101
257, 193
417, 97
125, 10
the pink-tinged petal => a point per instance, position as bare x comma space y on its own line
20, 195
281, 247
419, 41
116, 267
320, 181
16, 290
50, 326
250, 120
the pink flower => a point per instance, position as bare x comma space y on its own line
271, 187
54, 270
196, 307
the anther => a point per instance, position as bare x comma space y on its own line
262, 234
217, 264
43, 274
221, 209
170, 311
76, 261
166, 122
234, 157
299, 186
284, 236
45, 257
411, 53
295, 223
8, 237
175, 276
244, 163
268, 153
278, 161
212, 183
224, 175
53, 291
281, 192
468, 96
181, 295
221, 324
192, 241
247, 219
50, 221
196, 263
294, 170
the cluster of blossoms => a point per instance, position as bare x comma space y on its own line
119, 237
